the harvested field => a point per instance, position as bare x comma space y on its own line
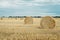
12, 29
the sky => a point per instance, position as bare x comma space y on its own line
29, 7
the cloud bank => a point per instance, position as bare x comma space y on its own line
29, 7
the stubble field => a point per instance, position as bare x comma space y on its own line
15, 29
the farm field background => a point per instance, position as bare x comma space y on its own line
19, 22
15, 29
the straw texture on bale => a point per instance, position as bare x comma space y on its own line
28, 20
47, 22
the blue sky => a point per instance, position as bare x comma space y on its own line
29, 7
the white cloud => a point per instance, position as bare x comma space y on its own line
18, 3
46, 0
40, 0
9, 3
4, 4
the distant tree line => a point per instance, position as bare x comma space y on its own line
21, 16
25, 16
16, 16
56, 16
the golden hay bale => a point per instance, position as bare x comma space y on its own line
47, 22
28, 20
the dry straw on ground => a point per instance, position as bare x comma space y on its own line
47, 22
28, 20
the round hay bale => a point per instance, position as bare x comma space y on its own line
47, 22
28, 20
